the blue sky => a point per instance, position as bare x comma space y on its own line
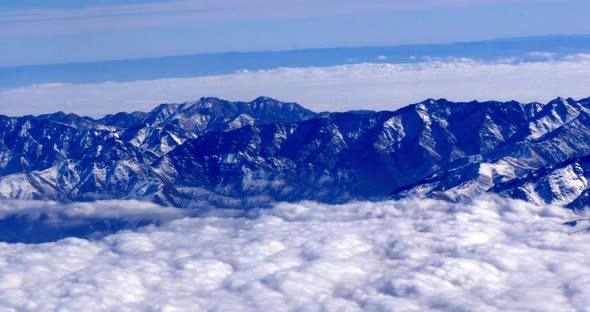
37, 32
67, 4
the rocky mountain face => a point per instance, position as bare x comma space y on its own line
215, 153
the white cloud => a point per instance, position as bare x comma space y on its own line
411, 255
338, 88
541, 55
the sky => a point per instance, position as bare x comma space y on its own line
545, 56
335, 88
41, 32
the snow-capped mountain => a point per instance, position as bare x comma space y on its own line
213, 152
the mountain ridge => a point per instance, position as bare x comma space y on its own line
217, 153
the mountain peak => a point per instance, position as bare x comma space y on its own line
264, 99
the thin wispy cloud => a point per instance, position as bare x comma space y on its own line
80, 211
182, 12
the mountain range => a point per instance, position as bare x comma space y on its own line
215, 153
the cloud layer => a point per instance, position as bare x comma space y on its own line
338, 88
409, 255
